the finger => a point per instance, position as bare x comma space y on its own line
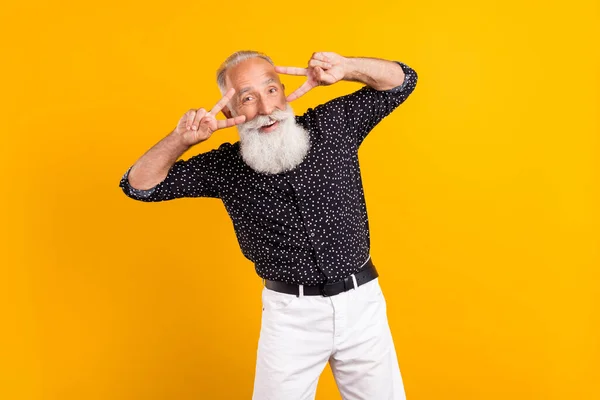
222, 103
199, 115
190, 119
308, 85
291, 70
317, 63
226, 123
318, 74
320, 57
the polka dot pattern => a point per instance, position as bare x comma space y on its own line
304, 226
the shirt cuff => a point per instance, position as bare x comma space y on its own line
401, 87
140, 193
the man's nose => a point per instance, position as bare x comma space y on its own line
265, 107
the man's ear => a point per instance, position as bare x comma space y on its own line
226, 112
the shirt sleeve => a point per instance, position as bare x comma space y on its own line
198, 176
359, 112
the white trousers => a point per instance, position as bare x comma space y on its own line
300, 334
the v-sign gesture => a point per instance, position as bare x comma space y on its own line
196, 126
324, 68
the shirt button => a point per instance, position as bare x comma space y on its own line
312, 234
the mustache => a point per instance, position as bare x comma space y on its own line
262, 120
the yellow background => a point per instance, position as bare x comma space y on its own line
482, 190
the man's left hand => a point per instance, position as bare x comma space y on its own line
324, 68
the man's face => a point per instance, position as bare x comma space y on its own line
258, 90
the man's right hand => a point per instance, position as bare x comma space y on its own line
196, 126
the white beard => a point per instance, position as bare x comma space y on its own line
274, 152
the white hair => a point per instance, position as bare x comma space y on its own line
277, 151
235, 59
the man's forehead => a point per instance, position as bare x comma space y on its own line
250, 74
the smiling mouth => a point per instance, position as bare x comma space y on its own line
270, 127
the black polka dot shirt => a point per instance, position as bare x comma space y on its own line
305, 226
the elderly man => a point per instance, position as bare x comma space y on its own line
292, 187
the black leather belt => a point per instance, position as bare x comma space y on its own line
367, 273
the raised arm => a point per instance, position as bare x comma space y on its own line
326, 68
160, 162
387, 85
373, 72
152, 167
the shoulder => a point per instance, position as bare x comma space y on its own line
224, 151
228, 148
228, 155
211, 160
331, 113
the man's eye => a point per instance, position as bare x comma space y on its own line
272, 90
247, 98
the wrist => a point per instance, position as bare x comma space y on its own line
355, 70
350, 69
177, 142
